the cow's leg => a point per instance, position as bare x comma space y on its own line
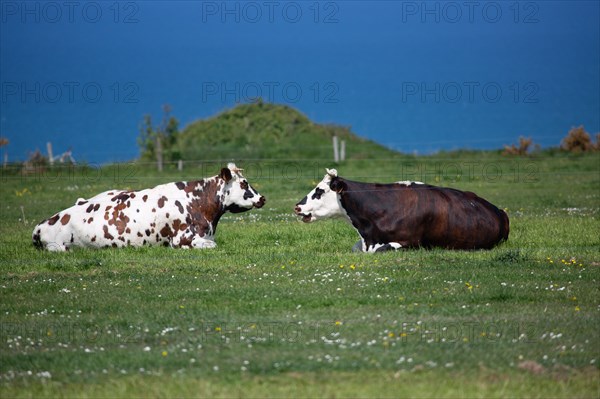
390, 246
55, 247
187, 239
201, 243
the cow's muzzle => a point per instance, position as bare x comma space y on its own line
261, 202
306, 217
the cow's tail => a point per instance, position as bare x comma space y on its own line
36, 238
504, 225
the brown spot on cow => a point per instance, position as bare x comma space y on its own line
179, 206
90, 208
82, 202
147, 232
145, 198
127, 230
121, 197
166, 231
96, 207
185, 241
161, 201
180, 185
121, 223
93, 238
108, 208
107, 235
153, 209
201, 211
139, 234
65, 219
177, 225
192, 188
53, 219
90, 220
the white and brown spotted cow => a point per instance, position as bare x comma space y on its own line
181, 215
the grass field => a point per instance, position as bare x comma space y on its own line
282, 308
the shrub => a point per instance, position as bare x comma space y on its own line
578, 140
523, 148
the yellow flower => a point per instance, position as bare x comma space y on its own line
338, 323
164, 353
217, 328
577, 308
391, 335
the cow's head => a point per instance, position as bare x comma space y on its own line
239, 195
323, 201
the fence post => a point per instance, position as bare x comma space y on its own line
336, 154
343, 151
180, 165
159, 154
50, 155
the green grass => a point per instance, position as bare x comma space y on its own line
282, 308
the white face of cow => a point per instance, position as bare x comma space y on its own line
322, 202
239, 195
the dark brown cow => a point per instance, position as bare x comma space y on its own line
406, 214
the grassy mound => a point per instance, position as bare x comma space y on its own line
263, 130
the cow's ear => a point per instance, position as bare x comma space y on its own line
337, 185
226, 174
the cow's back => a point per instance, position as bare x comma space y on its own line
460, 220
113, 218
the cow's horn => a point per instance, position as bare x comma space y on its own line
231, 166
331, 172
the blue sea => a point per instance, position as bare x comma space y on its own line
415, 76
